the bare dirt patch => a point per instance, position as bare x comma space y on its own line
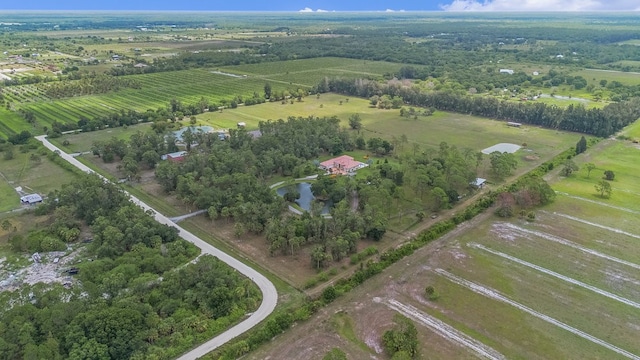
48, 270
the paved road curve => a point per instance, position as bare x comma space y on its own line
269, 293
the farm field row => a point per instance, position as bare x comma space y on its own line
157, 91
12, 123
333, 63
566, 285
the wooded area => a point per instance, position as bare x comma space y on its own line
139, 299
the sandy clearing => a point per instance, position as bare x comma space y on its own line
615, 230
502, 148
568, 243
495, 295
446, 331
599, 203
558, 276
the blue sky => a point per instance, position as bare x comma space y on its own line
328, 5
221, 5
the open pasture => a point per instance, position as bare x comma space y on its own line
461, 130
619, 156
82, 141
595, 75
34, 177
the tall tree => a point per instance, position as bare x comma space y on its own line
590, 167
581, 146
355, 122
267, 91
604, 189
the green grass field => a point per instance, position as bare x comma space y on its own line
33, 177
82, 142
189, 86
462, 130
9, 198
12, 123
309, 72
595, 75
620, 157
581, 237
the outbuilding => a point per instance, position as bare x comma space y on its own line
31, 199
479, 183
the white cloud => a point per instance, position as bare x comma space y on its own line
542, 5
310, 10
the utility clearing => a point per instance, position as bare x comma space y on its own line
559, 276
562, 241
446, 331
493, 294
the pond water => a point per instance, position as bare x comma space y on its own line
306, 197
566, 98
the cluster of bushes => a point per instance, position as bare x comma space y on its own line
356, 258
321, 277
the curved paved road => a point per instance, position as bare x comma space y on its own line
269, 293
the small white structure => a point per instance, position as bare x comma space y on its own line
506, 71
514, 124
535, 73
479, 182
31, 199
242, 124
560, 56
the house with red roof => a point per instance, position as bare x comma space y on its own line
342, 165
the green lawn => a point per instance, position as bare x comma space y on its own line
633, 130
461, 130
621, 157
83, 141
595, 75
34, 177
9, 198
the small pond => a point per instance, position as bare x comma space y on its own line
306, 197
583, 100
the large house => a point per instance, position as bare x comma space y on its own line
342, 165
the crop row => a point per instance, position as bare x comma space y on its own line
279, 67
11, 122
151, 96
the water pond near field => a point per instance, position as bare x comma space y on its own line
306, 197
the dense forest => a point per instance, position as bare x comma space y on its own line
133, 299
